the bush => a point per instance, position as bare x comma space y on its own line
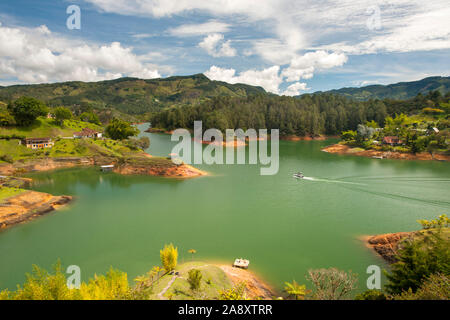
332, 284
169, 257
435, 287
194, 279
119, 130
372, 294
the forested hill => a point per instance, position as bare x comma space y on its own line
131, 95
398, 91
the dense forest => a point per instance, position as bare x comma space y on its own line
398, 91
306, 115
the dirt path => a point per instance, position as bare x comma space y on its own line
161, 294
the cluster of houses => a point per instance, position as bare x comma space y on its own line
42, 143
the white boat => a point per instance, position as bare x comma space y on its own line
298, 175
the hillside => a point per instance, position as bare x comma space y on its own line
398, 91
130, 95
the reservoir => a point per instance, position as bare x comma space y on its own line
283, 225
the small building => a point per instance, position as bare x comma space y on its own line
38, 143
392, 140
241, 263
87, 133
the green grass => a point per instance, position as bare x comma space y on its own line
214, 279
7, 192
44, 127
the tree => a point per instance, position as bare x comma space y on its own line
112, 286
372, 294
119, 130
90, 117
295, 290
435, 287
332, 284
349, 135
194, 279
25, 110
141, 143
192, 252
365, 132
6, 119
61, 114
169, 256
417, 259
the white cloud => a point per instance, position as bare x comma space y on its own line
211, 26
303, 67
294, 89
215, 45
36, 55
268, 78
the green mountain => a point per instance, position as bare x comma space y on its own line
130, 95
397, 91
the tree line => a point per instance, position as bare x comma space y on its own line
308, 115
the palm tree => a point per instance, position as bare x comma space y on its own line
296, 290
192, 251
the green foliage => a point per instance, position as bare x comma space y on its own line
295, 290
418, 259
440, 222
349, 135
169, 257
372, 294
142, 143
119, 130
194, 279
435, 287
372, 124
90, 117
432, 111
61, 114
6, 119
332, 284
112, 286
41, 285
25, 110
235, 293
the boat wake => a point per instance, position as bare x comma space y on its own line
333, 181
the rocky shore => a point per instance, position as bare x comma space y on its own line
29, 205
347, 150
386, 245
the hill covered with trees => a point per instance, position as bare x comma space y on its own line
398, 91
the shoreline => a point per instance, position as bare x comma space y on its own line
255, 286
376, 154
142, 164
29, 205
386, 245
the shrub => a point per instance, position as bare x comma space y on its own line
372, 294
169, 257
194, 279
332, 284
435, 287
25, 110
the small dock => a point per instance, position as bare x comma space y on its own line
107, 168
241, 263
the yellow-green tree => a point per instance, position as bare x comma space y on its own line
112, 286
235, 293
169, 257
295, 290
192, 252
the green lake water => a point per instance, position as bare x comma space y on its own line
282, 225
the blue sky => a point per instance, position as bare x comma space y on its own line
288, 47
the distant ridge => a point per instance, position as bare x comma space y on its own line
397, 91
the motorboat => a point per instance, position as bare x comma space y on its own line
298, 175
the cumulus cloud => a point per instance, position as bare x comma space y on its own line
35, 55
268, 78
215, 45
211, 26
295, 89
303, 66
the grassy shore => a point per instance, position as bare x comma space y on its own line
7, 192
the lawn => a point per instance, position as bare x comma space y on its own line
7, 192
44, 127
214, 279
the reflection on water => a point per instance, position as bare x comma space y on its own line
284, 226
